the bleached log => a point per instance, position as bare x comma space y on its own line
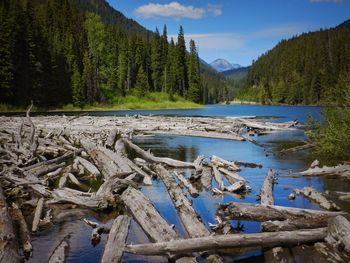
60, 253
236, 187
163, 160
257, 212
147, 180
113, 136
115, 245
63, 180
342, 170
196, 133
73, 179
206, 178
232, 177
23, 230
91, 168
338, 233
45, 169
224, 163
8, 243
266, 195
65, 157
145, 214
286, 238
319, 198
193, 191
37, 214
198, 163
119, 147
218, 178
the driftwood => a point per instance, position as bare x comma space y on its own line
338, 233
37, 214
342, 170
113, 136
319, 198
193, 191
8, 242
206, 178
256, 212
266, 196
297, 148
149, 157
115, 245
60, 253
218, 178
23, 230
224, 163
286, 238
154, 225
232, 177
91, 168
278, 255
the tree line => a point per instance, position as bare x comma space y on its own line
308, 69
53, 53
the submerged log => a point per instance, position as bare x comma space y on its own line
60, 253
8, 243
115, 245
266, 195
319, 198
286, 238
163, 160
145, 214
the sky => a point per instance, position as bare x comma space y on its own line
236, 30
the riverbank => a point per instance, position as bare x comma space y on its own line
151, 101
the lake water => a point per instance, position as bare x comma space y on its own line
187, 149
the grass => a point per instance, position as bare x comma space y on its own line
10, 108
150, 101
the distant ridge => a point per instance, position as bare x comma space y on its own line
236, 74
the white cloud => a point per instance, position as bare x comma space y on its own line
176, 10
215, 10
327, 1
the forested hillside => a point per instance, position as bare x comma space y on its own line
312, 68
54, 53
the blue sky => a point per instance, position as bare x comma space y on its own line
236, 30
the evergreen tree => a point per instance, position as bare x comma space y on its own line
181, 61
193, 92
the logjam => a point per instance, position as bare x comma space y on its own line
8, 242
115, 245
285, 238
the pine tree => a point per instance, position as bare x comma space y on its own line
181, 60
141, 85
193, 92
156, 62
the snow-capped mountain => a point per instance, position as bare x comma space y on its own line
223, 65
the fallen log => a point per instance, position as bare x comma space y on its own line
338, 233
218, 178
60, 253
65, 157
92, 169
206, 178
285, 238
257, 212
163, 160
232, 177
43, 169
145, 214
115, 245
193, 191
113, 136
297, 148
37, 214
8, 243
224, 163
23, 230
266, 195
342, 170
319, 198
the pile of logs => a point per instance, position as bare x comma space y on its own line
47, 163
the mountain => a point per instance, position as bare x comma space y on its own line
221, 65
236, 74
312, 68
111, 16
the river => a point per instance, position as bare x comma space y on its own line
187, 149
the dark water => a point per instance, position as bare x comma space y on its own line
187, 149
